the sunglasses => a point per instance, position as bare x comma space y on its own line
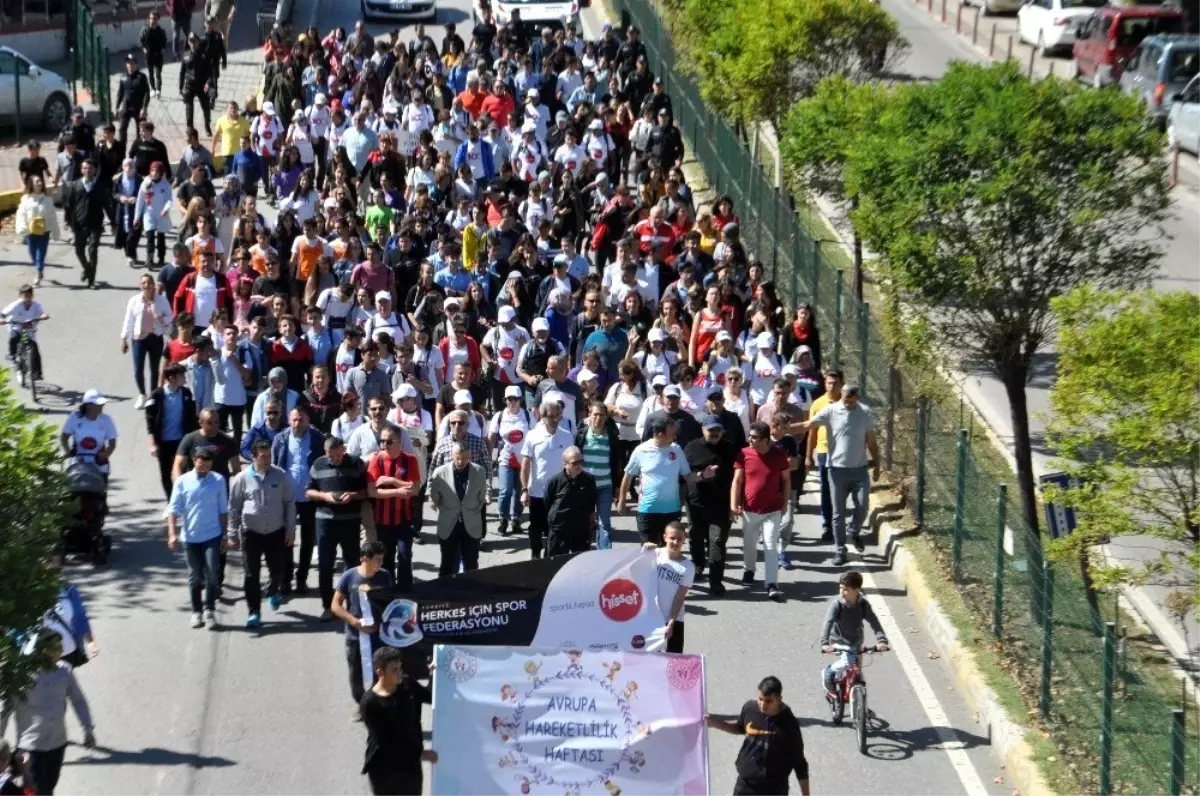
458, 422
273, 414
376, 409
573, 463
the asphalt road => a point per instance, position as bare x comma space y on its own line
196, 711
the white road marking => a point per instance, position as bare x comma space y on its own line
951, 744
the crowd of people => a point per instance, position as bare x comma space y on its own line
488, 290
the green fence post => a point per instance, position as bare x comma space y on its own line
960, 503
889, 444
998, 577
816, 272
1106, 708
17, 97
775, 237
922, 424
837, 322
864, 317
1047, 623
1177, 752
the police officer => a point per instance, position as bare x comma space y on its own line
213, 47
80, 131
195, 74
133, 96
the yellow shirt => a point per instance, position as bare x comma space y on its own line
230, 132
822, 445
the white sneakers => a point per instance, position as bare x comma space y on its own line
207, 618
140, 403
197, 621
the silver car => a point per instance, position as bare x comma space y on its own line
1183, 120
45, 96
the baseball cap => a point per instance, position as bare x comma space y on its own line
382, 295
586, 374
765, 340
724, 335
561, 259
405, 391
710, 421
803, 350
596, 124
320, 99
77, 111
512, 391
462, 397
562, 116
659, 381
506, 315
730, 229
532, 93
452, 301
541, 325
716, 394
269, 108
791, 370
673, 390
657, 336
529, 127
94, 396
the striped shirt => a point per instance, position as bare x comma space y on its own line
349, 476
596, 459
393, 511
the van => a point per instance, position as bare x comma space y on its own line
1111, 36
1159, 69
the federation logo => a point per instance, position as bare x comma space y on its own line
621, 600
460, 665
398, 627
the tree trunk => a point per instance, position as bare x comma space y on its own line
858, 256
1015, 376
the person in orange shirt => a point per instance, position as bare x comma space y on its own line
499, 105
472, 98
262, 250
306, 251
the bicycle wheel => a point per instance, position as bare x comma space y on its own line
858, 701
29, 372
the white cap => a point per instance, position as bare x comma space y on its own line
596, 125
452, 301
673, 390
390, 107
319, 99
506, 314
803, 350
382, 295
512, 391
269, 108
529, 127
657, 336
723, 335
659, 381
541, 325
94, 396
586, 374
532, 93
554, 395
463, 397
791, 370
765, 340
405, 391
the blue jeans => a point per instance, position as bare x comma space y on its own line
150, 347
37, 245
604, 501
853, 483
204, 573
397, 552
510, 493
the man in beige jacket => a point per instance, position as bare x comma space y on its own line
458, 490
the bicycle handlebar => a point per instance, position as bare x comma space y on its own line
847, 648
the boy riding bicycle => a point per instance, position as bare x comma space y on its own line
22, 311
843, 627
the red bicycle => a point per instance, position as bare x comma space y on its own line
850, 688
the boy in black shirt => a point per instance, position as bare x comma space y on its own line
395, 742
773, 748
35, 165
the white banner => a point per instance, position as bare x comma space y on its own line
527, 721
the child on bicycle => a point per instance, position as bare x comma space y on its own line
24, 310
844, 626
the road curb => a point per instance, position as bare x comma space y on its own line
1007, 737
9, 200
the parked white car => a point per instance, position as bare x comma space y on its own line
1051, 25
989, 7
534, 13
45, 96
1183, 120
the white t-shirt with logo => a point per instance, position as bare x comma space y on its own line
343, 360
766, 370
511, 430
90, 437
671, 575
599, 147
206, 299
506, 345
475, 159
571, 158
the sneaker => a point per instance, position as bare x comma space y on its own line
784, 561
131, 262
253, 620
716, 589
197, 621
37, 282
301, 588
326, 616
748, 577
503, 529
826, 535
210, 619
140, 402
773, 593
274, 601
858, 542
517, 527
839, 559
700, 569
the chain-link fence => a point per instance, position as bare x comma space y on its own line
1130, 732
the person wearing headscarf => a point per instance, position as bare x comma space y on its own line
277, 388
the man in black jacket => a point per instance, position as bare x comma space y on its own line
181, 14
666, 142
85, 206
133, 95
153, 41
629, 52
391, 711
147, 150
708, 500
195, 74
109, 157
214, 49
81, 131
170, 416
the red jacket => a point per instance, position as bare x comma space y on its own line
185, 295
650, 237
472, 357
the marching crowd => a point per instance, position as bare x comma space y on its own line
488, 290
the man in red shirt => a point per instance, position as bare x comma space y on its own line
472, 98
761, 488
655, 236
393, 478
499, 105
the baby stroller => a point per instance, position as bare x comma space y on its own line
84, 534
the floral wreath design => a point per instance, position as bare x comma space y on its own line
574, 672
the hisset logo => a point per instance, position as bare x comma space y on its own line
620, 600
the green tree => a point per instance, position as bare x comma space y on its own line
1126, 420
34, 507
988, 196
756, 58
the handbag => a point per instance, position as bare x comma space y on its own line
37, 225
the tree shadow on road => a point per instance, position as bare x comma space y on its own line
149, 756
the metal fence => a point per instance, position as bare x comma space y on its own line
1119, 727
89, 60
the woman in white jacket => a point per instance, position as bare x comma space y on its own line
153, 213
36, 222
148, 316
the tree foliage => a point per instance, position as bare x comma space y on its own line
988, 195
755, 58
33, 508
1126, 420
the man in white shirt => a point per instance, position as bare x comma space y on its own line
569, 80
571, 156
537, 113
541, 459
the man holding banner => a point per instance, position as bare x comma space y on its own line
368, 575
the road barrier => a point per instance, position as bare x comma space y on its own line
89, 60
